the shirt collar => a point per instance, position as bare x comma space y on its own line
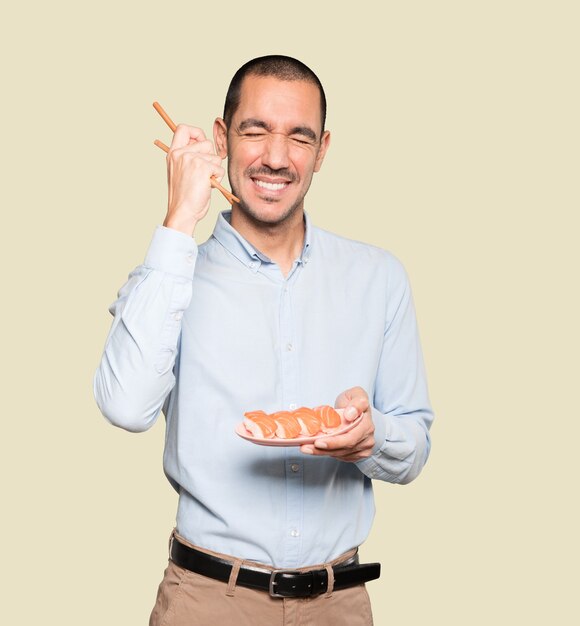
243, 250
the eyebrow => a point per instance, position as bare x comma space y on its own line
304, 130
252, 122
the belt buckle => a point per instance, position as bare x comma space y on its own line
273, 582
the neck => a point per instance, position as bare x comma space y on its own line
282, 242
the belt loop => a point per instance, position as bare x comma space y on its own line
233, 577
330, 584
171, 538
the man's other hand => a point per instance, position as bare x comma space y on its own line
191, 162
357, 443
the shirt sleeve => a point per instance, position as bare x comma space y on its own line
401, 410
135, 374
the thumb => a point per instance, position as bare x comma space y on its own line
350, 413
343, 402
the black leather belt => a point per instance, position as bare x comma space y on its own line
278, 583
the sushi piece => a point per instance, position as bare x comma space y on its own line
330, 419
287, 425
309, 422
260, 424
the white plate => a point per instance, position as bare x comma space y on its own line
297, 441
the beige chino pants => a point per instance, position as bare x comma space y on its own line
185, 598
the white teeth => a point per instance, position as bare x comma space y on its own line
271, 186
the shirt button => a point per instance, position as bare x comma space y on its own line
252, 264
295, 467
295, 533
289, 347
177, 316
293, 406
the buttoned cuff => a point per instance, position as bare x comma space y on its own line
173, 252
369, 466
381, 429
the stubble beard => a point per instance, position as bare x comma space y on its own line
255, 216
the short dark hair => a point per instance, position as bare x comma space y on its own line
282, 67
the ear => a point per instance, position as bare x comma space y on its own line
324, 144
220, 137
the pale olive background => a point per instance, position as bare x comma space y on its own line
455, 145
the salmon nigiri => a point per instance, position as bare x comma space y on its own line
260, 424
287, 425
308, 420
329, 417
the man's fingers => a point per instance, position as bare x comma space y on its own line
184, 135
219, 173
361, 432
351, 413
187, 162
361, 450
201, 147
193, 152
347, 441
354, 401
330, 445
356, 444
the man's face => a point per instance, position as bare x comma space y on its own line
274, 144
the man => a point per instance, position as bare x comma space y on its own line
270, 313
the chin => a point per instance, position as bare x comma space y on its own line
270, 213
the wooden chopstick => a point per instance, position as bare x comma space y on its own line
161, 145
229, 196
165, 117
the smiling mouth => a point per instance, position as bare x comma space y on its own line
270, 186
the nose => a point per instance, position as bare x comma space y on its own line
275, 153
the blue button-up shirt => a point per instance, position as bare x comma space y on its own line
206, 333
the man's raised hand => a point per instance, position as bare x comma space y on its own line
191, 162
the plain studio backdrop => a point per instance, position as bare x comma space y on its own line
455, 145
